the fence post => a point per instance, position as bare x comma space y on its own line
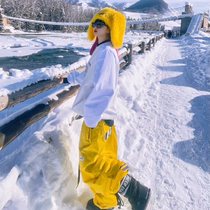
149, 44
130, 46
1, 19
143, 47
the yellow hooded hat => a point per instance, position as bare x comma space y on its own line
116, 22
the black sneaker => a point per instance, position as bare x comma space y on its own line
138, 195
92, 206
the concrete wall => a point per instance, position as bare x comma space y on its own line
184, 25
205, 21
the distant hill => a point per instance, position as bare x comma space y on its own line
99, 4
90, 3
149, 6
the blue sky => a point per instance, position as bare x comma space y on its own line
199, 6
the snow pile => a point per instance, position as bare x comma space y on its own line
11, 191
48, 171
196, 51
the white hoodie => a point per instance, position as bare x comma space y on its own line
97, 97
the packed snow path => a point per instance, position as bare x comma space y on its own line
167, 139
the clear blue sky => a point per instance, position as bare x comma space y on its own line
199, 6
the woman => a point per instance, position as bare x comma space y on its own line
96, 102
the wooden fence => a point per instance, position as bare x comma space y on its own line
11, 130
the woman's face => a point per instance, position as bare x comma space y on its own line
100, 30
103, 31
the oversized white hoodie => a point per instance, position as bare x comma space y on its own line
97, 97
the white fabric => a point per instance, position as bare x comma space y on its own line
97, 98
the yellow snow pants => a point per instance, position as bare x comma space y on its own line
99, 166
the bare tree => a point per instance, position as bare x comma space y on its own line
48, 10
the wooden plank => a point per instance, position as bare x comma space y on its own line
64, 96
149, 45
130, 46
12, 129
4, 100
30, 92
153, 41
143, 47
123, 64
139, 43
123, 54
2, 139
135, 52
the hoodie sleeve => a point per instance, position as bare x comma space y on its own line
105, 78
76, 78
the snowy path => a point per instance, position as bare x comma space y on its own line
167, 137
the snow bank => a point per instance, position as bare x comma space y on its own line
196, 51
47, 172
9, 190
22, 78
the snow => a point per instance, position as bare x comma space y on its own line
170, 25
47, 22
196, 50
16, 45
163, 132
160, 19
136, 15
20, 78
195, 24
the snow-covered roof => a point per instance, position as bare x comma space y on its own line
188, 3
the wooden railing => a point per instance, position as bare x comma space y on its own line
12, 129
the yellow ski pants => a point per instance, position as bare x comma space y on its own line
99, 166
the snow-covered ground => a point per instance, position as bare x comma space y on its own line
163, 130
196, 52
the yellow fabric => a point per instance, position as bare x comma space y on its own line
99, 165
116, 22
